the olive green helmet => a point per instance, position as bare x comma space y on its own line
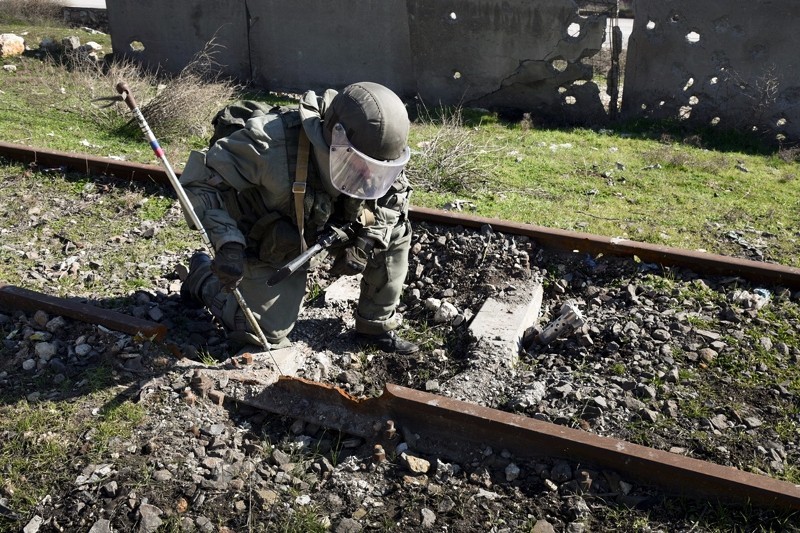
366, 127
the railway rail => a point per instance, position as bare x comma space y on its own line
446, 425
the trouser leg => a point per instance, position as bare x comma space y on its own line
382, 284
275, 308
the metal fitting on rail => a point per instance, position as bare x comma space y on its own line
378, 454
390, 432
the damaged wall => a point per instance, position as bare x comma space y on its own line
730, 64
172, 33
520, 54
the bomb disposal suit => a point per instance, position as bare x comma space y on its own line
273, 180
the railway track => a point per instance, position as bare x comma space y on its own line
450, 427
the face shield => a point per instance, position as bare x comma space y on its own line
358, 175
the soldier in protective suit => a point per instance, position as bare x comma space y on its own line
264, 191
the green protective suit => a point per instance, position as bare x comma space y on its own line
241, 190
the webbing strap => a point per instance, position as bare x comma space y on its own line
299, 185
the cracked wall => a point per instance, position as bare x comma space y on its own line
167, 35
516, 54
729, 64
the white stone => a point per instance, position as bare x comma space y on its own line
512, 472
446, 313
45, 350
11, 45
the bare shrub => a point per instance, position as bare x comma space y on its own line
449, 161
175, 107
789, 154
184, 104
35, 11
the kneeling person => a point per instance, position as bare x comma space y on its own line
266, 189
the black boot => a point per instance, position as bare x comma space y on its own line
389, 342
192, 287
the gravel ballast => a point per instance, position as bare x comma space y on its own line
701, 366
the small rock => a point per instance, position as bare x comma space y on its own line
415, 464
482, 493
71, 43
155, 314
447, 312
33, 525
29, 364
512, 472
428, 518
348, 525
101, 526
707, 354
82, 350
753, 422
162, 475
543, 526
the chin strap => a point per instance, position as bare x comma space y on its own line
299, 185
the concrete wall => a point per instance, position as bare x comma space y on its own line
172, 33
732, 64
94, 18
521, 54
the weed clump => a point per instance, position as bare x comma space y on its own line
449, 160
175, 107
30, 11
184, 105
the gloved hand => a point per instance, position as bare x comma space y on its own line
354, 258
228, 265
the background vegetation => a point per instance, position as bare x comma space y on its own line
717, 191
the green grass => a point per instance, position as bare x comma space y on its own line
43, 436
647, 182
71, 229
605, 184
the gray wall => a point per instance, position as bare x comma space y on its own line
174, 32
525, 55
742, 71
473, 52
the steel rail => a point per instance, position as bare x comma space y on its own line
450, 428
458, 430
12, 297
755, 271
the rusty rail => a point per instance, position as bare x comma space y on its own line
756, 271
454, 430
13, 297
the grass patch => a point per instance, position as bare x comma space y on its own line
39, 438
643, 181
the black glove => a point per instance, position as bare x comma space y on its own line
354, 258
228, 265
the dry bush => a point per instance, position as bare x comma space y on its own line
449, 161
185, 104
176, 107
35, 11
789, 154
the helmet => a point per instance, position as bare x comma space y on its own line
366, 127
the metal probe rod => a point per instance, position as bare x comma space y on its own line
186, 204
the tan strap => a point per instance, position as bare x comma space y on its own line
299, 185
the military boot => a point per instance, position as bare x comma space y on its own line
389, 342
192, 287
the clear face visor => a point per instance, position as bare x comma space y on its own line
358, 175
